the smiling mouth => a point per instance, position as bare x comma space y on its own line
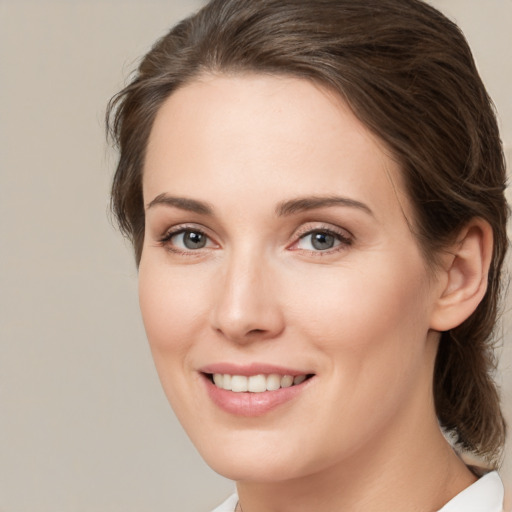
255, 383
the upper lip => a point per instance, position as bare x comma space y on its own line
251, 369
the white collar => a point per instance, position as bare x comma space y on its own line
485, 495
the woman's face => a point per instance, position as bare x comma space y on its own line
277, 247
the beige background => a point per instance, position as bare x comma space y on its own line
84, 425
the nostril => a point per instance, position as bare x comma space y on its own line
255, 331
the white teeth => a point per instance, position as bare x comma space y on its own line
255, 383
286, 381
299, 379
239, 383
226, 382
273, 382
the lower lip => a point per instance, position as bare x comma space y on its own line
252, 404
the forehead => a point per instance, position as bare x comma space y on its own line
269, 136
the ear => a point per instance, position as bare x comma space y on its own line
462, 278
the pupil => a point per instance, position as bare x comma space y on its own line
322, 241
194, 240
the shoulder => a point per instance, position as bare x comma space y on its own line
227, 506
485, 495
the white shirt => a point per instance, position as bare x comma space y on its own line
485, 495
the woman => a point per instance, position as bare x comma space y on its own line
314, 191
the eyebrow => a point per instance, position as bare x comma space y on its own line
313, 202
183, 203
283, 209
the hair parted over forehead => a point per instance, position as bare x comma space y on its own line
407, 73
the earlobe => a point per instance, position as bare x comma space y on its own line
464, 276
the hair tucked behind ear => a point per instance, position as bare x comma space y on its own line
408, 74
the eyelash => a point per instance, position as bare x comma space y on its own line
177, 230
344, 240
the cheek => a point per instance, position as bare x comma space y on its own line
357, 308
372, 327
371, 330
171, 308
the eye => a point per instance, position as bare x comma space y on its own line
185, 240
190, 239
319, 240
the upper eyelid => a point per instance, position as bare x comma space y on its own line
180, 228
311, 227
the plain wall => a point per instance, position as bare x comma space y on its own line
84, 425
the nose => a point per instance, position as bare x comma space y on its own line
246, 307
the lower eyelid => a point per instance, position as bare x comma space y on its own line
339, 243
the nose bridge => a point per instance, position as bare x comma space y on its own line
246, 305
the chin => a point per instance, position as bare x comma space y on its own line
261, 471
264, 457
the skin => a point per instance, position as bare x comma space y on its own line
362, 316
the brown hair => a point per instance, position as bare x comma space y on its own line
408, 74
